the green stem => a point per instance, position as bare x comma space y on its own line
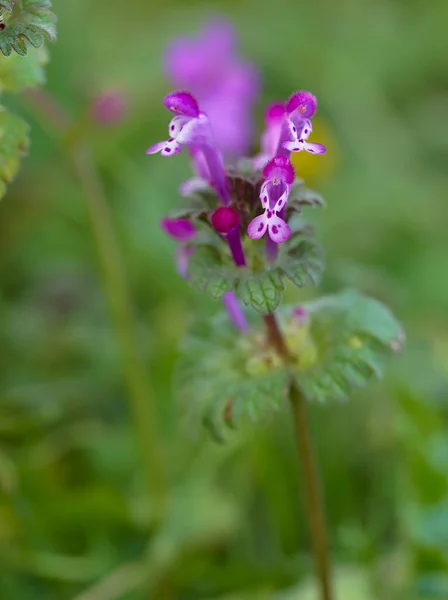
316, 519
314, 504
116, 289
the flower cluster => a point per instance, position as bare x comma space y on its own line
212, 120
288, 129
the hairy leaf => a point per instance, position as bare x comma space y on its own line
352, 335
222, 382
226, 378
261, 291
26, 22
301, 262
7, 4
13, 145
212, 271
209, 274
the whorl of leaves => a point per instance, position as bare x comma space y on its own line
225, 378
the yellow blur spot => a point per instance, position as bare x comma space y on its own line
313, 167
356, 343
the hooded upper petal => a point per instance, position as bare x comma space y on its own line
182, 103
304, 103
279, 169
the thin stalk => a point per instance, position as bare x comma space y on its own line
236, 247
235, 312
116, 289
316, 518
314, 504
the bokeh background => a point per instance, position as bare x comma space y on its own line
76, 521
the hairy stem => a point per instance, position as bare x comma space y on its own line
314, 504
116, 289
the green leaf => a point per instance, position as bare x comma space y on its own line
209, 274
212, 272
301, 196
226, 379
7, 4
301, 261
352, 336
196, 205
26, 22
13, 145
18, 72
261, 291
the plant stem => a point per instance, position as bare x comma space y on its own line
116, 289
312, 492
314, 504
275, 337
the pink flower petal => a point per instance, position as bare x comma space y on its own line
315, 148
155, 148
279, 230
257, 227
279, 168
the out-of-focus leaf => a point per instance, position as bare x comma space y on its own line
20, 72
349, 584
302, 262
222, 382
13, 145
209, 274
352, 335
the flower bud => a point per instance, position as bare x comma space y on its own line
108, 108
224, 219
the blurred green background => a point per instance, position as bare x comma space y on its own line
76, 521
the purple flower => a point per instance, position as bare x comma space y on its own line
179, 229
273, 119
235, 311
226, 221
300, 314
182, 231
183, 255
191, 127
279, 175
296, 127
226, 87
